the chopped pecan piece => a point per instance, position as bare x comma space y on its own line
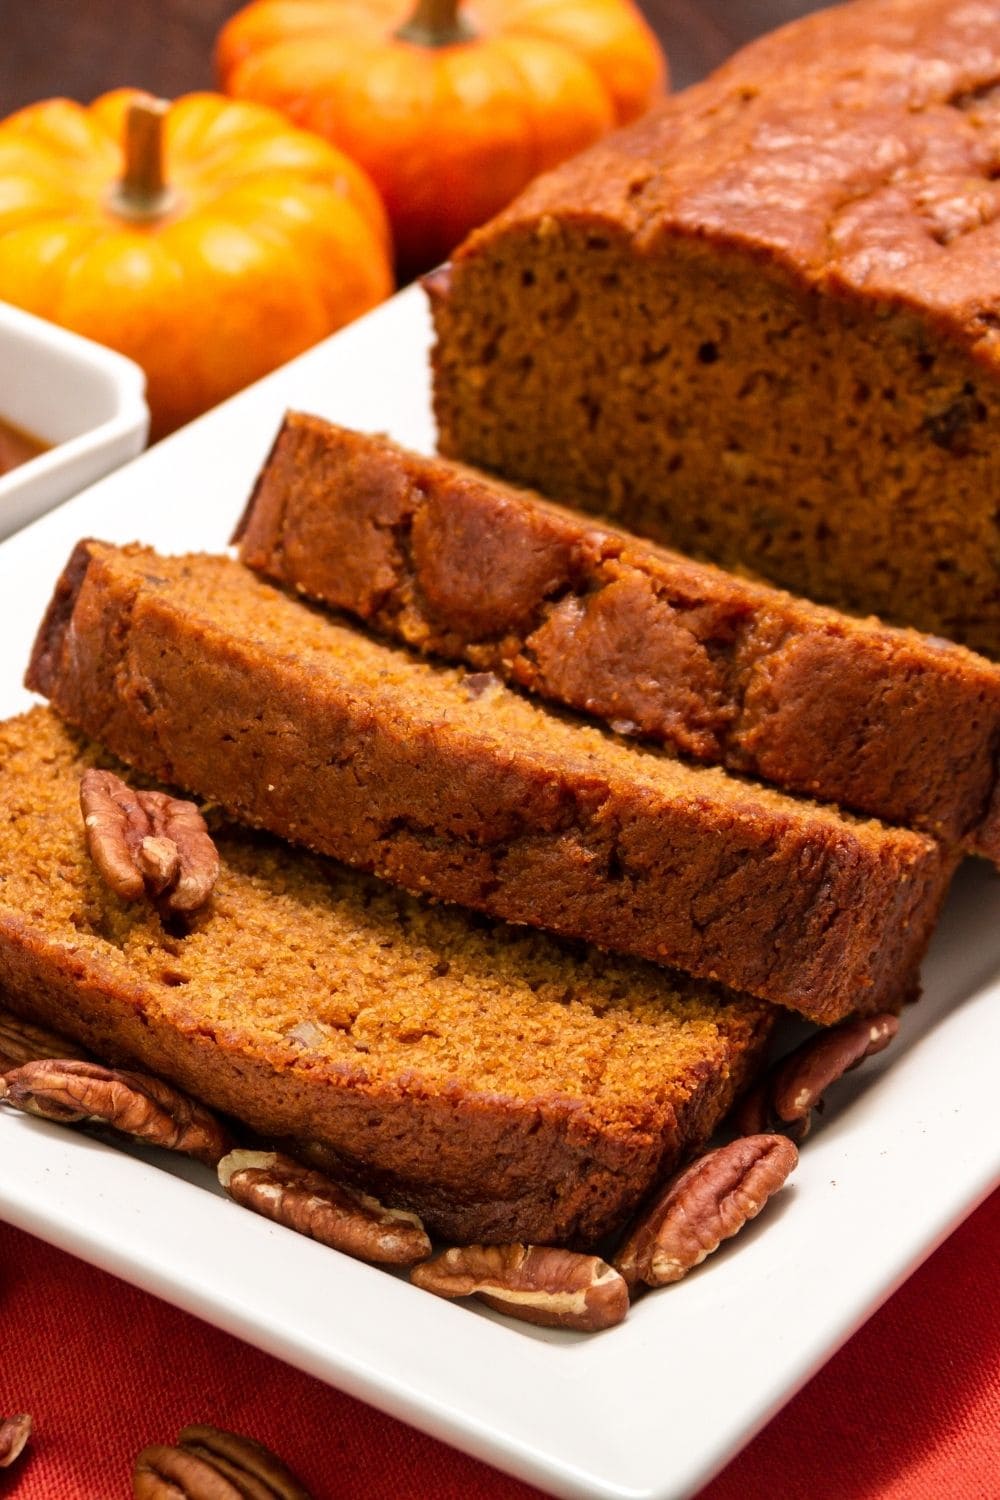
14, 1434
23, 1041
148, 843
209, 1464
146, 1108
702, 1206
536, 1283
786, 1096
310, 1203
479, 684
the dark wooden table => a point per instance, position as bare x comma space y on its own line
82, 47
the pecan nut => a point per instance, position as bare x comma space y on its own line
23, 1041
14, 1434
703, 1205
536, 1283
310, 1203
135, 1104
148, 843
209, 1464
164, 1473
242, 1460
789, 1092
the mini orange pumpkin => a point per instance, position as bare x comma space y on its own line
206, 239
450, 110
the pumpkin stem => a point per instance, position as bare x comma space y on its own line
142, 194
436, 23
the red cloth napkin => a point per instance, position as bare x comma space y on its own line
908, 1410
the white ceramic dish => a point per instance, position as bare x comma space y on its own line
83, 399
646, 1411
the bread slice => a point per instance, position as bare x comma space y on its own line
730, 672
197, 672
762, 324
503, 1084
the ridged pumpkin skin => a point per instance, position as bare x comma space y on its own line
448, 133
275, 241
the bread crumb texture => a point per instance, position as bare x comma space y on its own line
306, 971
194, 670
763, 323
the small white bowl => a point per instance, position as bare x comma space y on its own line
86, 401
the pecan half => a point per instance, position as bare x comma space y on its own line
14, 1433
310, 1203
702, 1206
536, 1283
148, 843
164, 1473
788, 1093
23, 1041
242, 1459
145, 1108
209, 1464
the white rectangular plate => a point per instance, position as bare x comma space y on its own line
648, 1410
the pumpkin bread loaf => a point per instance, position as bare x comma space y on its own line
663, 648
763, 323
195, 671
503, 1084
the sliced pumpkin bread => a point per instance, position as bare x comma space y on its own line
197, 672
734, 673
501, 1083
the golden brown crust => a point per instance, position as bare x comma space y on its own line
868, 127
763, 324
194, 671
239, 1010
731, 672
